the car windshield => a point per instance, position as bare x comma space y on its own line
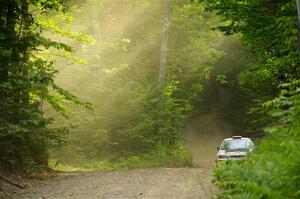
235, 144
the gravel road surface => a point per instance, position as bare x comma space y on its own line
164, 183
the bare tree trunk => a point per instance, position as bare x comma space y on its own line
164, 43
298, 10
164, 138
95, 21
24, 70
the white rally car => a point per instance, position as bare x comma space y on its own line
234, 148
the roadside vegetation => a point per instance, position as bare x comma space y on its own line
112, 84
137, 119
103, 84
268, 30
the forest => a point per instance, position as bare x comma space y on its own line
108, 85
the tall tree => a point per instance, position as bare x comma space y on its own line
27, 79
268, 29
298, 21
164, 42
134, 115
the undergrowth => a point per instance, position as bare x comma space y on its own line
272, 171
161, 157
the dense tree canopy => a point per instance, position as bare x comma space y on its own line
132, 115
27, 81
268, 29
146, 70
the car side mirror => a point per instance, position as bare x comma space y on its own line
218, 148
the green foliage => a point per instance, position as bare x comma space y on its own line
27, 83
133, 115
268, 30
270, 37
272, 171
177, 156
222, 79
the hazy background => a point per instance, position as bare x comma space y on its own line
121, 72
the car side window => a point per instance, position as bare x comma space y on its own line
223, 145
250, 145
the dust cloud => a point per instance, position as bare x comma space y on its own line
202, 136
124, 56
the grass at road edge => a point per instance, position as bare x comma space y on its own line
179, 157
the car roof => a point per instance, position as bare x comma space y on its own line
243, 138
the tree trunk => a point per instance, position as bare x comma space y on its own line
298, 10
95, 22
7, 28
164, 43
24, 70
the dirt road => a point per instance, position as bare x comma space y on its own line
164, 183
